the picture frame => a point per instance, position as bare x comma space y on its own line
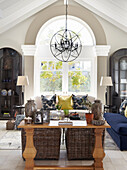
38, 118
46, 116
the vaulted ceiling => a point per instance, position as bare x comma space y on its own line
13, 12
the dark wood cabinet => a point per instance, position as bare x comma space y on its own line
10, 69
118, 72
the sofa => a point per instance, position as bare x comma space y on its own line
39, 103
118, 130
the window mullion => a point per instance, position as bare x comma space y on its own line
65, 78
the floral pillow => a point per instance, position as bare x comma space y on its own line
79, 102
49, 104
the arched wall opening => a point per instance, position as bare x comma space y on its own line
77, 11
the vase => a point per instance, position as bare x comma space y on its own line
97, 110
60, 114
30, 108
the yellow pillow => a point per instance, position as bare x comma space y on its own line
66, 102
125, 112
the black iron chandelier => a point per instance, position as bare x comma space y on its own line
65, 45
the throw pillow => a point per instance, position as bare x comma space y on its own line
123, 107
79, 102
65, 102
49, 104
125, 112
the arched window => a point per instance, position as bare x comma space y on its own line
53, 76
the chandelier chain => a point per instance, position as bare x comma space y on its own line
66, 15
65, 45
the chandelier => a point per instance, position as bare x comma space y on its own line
65, 44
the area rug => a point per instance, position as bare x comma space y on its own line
11, 139
109, 143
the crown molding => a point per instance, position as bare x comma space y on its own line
99, 50
102, 50
28, 50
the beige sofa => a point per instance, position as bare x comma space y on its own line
39, 102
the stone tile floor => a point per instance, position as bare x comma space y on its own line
12, 160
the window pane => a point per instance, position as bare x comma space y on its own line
74, 65
51, 65
51, 77
59, 65
44, 65
79, 76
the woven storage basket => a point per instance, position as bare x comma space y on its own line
46, 142
10, 125
80, 143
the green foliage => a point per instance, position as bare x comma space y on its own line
44, 66
59, 65
58, 106
51, 65
66, 112
50, 76
77, 78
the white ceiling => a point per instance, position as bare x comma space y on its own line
13, 12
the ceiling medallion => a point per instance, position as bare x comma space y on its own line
65, 45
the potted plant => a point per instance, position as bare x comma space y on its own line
58, 107
66, 112
89, 115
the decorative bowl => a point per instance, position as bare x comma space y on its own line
98, 122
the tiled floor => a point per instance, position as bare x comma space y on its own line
12, 160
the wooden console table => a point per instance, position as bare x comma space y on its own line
30, 151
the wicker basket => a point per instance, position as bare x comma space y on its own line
80, 143
46, 142
10, 125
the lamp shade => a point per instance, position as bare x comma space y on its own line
22, 81
106, 81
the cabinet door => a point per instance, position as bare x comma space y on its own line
123, 78
118, 72
10, 69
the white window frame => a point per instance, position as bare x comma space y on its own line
65, 70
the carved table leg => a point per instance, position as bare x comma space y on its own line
30, 151
98, 153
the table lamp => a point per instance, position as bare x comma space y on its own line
22, 81
106, 81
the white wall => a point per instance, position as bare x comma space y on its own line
117, 39
15, 37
